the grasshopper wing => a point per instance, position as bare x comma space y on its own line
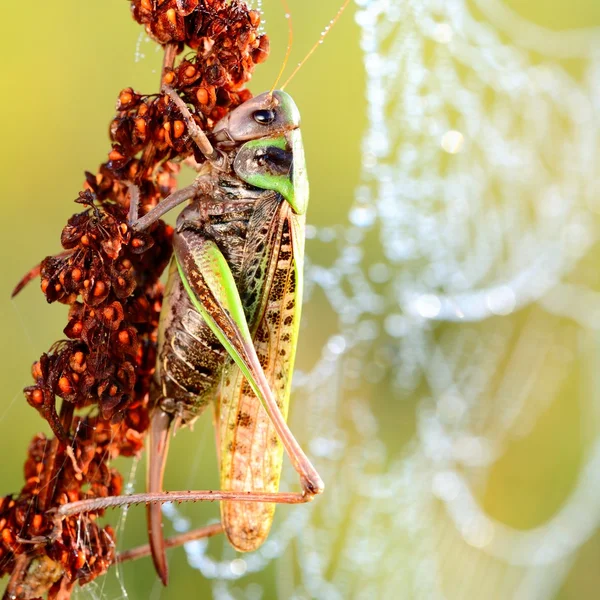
250, 449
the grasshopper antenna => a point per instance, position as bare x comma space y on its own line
317, 43
288, 16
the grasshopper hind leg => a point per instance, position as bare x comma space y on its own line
158, 447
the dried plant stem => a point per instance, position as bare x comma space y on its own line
168, 60
12, 589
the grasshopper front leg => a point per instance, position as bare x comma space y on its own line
200, 185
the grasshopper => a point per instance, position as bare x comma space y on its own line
231, 313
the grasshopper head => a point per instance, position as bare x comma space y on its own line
267, 115
271, 155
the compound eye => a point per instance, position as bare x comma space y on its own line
264, 117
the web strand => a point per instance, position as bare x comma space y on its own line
288, 16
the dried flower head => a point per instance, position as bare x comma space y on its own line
227, 43
109, 274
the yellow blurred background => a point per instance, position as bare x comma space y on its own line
448, 372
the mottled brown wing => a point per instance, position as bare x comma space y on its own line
250, 451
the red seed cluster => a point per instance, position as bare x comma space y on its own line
224, 33
227, 45
79, 550
108, 275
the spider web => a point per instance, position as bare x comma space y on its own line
464, 296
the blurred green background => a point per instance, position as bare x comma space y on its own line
64, 64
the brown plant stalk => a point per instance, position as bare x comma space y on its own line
93, 388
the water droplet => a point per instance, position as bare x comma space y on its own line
396, 325
327, 234
238, 566
478, 532
501, 301
428, 306
379, 273
443, 33
363, 216
446, 485
451, 408
336, 344
453, 141
472, 450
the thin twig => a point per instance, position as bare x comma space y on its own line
168, 60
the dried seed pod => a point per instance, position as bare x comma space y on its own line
111, 315
185, 7
128, 99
